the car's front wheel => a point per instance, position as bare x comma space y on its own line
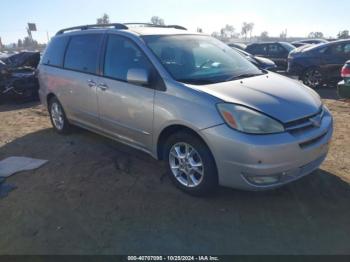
191, 165
58, 117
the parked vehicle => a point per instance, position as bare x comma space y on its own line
344, 85
320, 64
260, 62
278, 52
188, 99
309, 42
18, 79
240, 46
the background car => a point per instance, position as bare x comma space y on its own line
317, 65
240, 46
18, 78
278, 52
260, 62
309, 42
344, 86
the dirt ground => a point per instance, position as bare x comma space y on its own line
96, 196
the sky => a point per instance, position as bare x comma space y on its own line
299, 17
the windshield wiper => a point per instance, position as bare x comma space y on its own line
196, 81
242, 76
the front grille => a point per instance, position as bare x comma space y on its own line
304, 124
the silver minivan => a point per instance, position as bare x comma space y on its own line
187, 99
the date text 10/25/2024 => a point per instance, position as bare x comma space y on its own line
173, 258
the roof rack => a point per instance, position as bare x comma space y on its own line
86, 27
153, 25
117, 26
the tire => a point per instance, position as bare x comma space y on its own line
313, 77
200, 164
58, 117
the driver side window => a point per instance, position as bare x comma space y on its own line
121, 55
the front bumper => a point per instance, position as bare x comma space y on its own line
287, 156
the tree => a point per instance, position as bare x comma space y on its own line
156, 20
343, 34
103, 20
216, 35
228, 32
27, 42
250, 29
19, 43
247, 28
264, 35
316, 35
283, 34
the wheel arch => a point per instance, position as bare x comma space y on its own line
170, 130
49, 97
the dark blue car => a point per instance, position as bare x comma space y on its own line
317, 65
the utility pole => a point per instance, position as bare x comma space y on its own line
31, 28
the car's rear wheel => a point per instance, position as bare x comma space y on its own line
191, 165
313, 77
58, 117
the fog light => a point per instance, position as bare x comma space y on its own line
263, 180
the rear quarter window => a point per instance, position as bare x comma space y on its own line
83, 53
54, 54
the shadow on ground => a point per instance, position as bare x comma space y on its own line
328, 93
13, 105
96, 196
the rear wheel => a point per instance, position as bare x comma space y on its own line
191, 165
313, 77
58, 117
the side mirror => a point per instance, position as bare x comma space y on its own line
138, 76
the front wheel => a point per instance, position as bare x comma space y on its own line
191, 165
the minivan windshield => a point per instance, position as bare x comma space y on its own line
200, 60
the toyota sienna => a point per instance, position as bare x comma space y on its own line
187, 99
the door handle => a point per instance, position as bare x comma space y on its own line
91, 83
103, 86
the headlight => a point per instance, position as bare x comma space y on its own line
248, 121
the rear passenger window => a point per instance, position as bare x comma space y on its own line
259, 50
82, 53
54, 53
122, 55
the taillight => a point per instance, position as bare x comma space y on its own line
345, 72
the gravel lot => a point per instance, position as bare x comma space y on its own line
96, 196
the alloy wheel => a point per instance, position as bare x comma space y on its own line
186, 165
313, 78
57, 116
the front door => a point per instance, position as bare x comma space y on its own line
126, 109
334, 57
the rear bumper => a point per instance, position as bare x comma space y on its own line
344, 89
244, 159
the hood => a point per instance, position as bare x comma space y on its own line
304, 49
275, 95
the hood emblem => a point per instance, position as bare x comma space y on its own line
316, 121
